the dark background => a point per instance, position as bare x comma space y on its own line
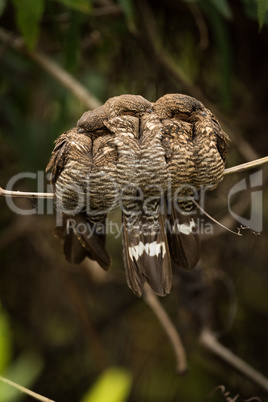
69, 323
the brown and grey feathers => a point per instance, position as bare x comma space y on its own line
74, 169
134, 105
150, 159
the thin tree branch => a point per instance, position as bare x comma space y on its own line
25, 194
174, 71
234, 169
172, 333
26, 390
164, 59
201, 24
214, 220
246, 166
53, 69
209, 341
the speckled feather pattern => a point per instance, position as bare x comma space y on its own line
134, 154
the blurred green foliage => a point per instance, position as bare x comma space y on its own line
262, 9
24, 370
5, 342
28, 16
113, 386
63, 328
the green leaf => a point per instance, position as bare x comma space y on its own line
262, 9
113, 386
2, 6
28, 16
127, 7
84, 6
5, 343
24, 371
72, 47
222, 6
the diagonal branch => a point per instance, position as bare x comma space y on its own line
53, 69
235, 169
174, 71
26, 390
209, 341
246, 166
25, 194
172, 333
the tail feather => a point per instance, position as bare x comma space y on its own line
183, 240
146, 258
84, 239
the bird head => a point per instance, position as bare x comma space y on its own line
131, 105
179, 106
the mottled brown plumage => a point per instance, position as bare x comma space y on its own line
195, 148
133, 105
146, 254
141, 171
144, 158
82, 167
194, 142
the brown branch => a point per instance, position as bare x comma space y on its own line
242, 204
246, 166
25, 194
234, 169
214, 220
53, 69
209, 341
174, 71
172, 333
201, 24
26, 390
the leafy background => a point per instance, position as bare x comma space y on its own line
78, 334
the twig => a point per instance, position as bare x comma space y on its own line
26, 390
165, 60
234, 169
246, 166
209, 341
174, 71
52, 69
111, 9
201, 25
25, 194
214, 220
153, 302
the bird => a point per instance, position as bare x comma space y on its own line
141, 169
126, 104
196, 148
151, 159
139, 176
84, 179
80, 179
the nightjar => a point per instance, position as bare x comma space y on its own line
195, 148
150, 159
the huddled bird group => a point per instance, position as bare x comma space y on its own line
149, 159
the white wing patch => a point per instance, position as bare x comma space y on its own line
186, 229
152, 249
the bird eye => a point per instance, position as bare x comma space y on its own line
81, 130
